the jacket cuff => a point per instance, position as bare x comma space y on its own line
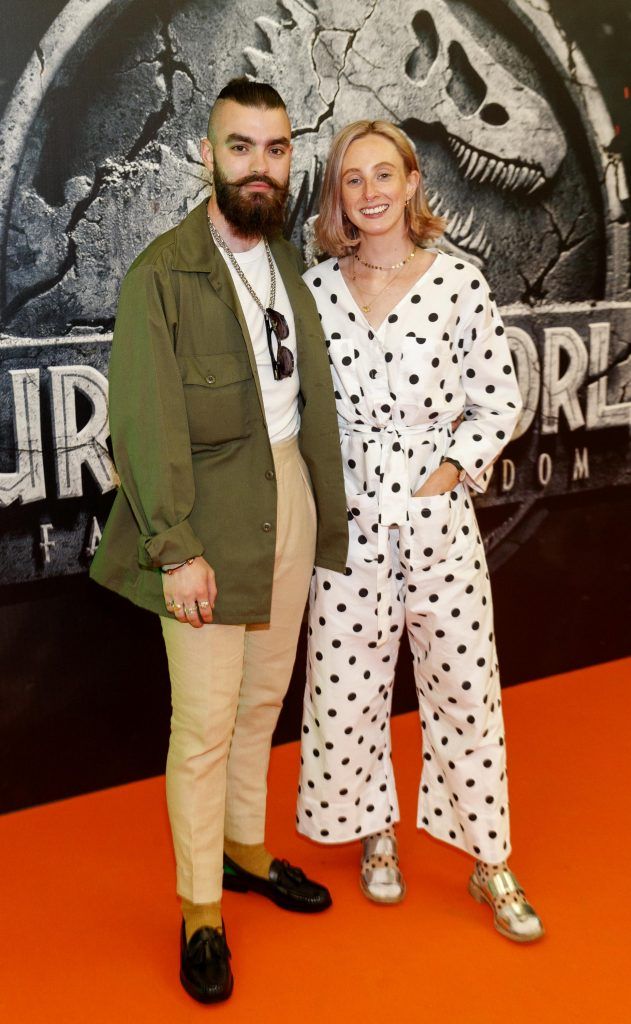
173, 545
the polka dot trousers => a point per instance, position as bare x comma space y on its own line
439, 590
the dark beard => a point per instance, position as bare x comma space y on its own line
251, 213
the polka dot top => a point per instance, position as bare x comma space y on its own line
441, 354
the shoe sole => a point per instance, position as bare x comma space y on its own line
387, 901
234, 884
188, 988
481, 897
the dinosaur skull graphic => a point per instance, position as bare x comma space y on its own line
500, 130
509, 126
517, 196
425, 71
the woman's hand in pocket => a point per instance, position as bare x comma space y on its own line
440, 481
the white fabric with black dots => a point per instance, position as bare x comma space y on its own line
414, 562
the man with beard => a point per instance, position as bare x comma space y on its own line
225, 440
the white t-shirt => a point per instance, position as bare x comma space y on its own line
280, 397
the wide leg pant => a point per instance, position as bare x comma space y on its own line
227, 686
438, 588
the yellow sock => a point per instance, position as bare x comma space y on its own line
200, 915
252, 857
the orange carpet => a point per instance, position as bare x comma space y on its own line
90, 923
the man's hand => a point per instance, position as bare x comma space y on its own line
441, 480
190, 592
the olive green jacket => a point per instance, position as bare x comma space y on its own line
188, 429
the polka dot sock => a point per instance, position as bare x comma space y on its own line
484, 872
252, 857
380, 865
200, 915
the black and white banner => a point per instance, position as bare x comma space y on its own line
517, 109
99, 153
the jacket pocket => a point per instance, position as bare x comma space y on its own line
219, 390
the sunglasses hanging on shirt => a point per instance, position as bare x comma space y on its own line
283, 361
275, 322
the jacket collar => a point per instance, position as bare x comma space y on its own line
196, 252
194, 248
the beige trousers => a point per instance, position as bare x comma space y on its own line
227, 689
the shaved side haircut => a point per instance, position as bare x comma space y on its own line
247, 94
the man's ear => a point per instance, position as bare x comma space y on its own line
208, 159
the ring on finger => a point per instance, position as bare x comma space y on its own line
176, 607
190, 611
204, 604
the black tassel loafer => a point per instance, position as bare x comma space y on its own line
205, 970
288, 887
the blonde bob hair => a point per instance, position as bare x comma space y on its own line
334, 232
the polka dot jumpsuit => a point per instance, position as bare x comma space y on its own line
414, 562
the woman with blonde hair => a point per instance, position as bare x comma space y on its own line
426, 399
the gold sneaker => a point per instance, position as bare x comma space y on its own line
380, 878
513, 915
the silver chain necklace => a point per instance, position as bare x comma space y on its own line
221, 242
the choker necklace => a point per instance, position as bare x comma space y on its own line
374, 296
395, 266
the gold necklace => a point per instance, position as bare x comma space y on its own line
367, 308
395, 266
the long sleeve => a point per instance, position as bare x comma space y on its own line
148, 420
492, 398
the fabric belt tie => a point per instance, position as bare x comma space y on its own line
393, 496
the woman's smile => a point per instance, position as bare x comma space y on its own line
374, 211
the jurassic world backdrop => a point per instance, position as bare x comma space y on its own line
520, 115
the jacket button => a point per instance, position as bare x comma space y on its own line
210, 379
266, 527
269, 475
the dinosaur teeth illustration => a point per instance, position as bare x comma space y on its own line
435, 202
536, 182
466, 227
486, 173
519, 177
462, 237
474, 162
480, 241
507, 174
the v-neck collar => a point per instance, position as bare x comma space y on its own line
415, 284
